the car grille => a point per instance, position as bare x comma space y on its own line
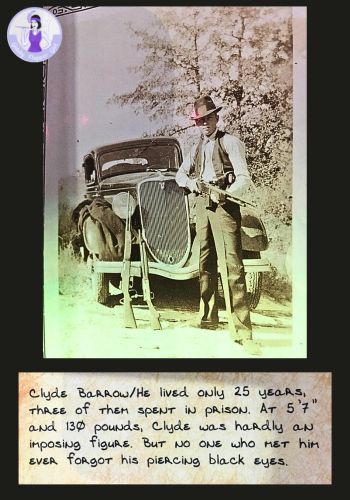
165, 220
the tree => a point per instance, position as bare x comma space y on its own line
254, 64
171, 73
242, 57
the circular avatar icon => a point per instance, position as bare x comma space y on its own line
34, 34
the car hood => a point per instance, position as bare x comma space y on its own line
132, 179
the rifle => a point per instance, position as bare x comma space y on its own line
129, 317
155, 323
222, 195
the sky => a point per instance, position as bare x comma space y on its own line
92, 64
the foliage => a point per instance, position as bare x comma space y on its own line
276, 286
242, 57
74, 274
70, 193
66, 228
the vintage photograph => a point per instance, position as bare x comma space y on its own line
175, 183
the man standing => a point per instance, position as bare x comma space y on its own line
219, 156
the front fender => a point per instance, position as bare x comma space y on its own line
101, 242
253, 232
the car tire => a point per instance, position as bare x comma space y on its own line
254, 287
100, 284
253, 281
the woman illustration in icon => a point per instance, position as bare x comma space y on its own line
33, 36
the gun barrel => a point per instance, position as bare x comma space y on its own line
210, 188
154, 314
129, 317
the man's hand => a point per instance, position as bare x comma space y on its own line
194, 185
218, 198
205, 187
215, 198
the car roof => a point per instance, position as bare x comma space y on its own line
135, 142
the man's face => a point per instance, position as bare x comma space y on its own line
207, 124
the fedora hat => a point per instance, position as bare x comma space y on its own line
204, 106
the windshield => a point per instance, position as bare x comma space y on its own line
139, 159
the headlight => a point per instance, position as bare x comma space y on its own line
120, 203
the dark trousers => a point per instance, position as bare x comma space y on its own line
219, 231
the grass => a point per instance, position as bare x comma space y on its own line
74, 274
277, 286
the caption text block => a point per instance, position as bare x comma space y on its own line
174, 428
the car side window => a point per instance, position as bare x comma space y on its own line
89, 170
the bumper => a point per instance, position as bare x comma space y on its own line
183, 273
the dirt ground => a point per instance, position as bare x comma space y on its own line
86, 329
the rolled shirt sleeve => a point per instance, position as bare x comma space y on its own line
182, 175
236, 151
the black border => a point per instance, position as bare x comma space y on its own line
22, 259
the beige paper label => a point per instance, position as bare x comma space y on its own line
167, 428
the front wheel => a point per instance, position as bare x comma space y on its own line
254, 286
100, 284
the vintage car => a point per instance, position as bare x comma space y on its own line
141, 173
